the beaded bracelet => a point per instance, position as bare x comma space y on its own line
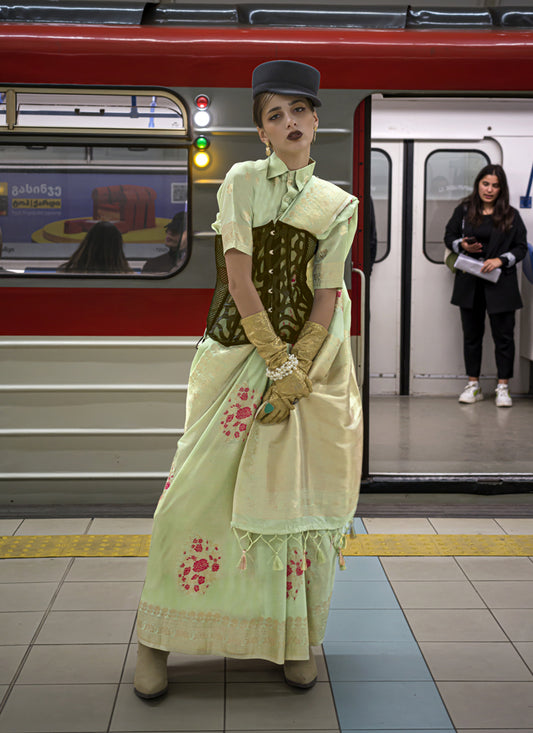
286, 368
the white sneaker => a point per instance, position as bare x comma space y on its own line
471, 393
503, 398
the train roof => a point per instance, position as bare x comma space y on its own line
347, 14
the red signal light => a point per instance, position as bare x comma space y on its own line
202, 101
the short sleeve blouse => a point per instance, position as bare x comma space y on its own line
255, 193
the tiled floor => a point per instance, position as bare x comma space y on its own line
413, 644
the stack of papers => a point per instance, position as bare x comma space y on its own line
473, 267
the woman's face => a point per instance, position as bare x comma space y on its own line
489, 189
288, 124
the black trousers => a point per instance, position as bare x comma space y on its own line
502, 327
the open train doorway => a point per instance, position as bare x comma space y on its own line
425, 156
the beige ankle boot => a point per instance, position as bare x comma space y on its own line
301, 672
151, 672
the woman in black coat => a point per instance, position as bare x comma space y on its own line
485, 227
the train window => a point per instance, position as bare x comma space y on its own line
110, 112
449, 177
380, 184
94, 210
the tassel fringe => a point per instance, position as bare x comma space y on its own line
318, 541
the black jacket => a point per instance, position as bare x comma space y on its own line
503, 295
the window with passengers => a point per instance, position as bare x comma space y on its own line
76, 210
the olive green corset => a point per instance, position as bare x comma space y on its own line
280, 257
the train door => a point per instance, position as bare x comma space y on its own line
442, 174
415, 337
385, 285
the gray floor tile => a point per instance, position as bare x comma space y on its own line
506, 593
483, 705
99, 596
121, 525
497, 568
360, 568
259, 670
26, 596
58, 709
53, 526
249, 705
375, 625
465, 525
34, 569
454, 625
8, 527
422, 568
525, 649
19, 628
186, 707
490, 730
109, 568
87, 627
363, 594
64, 664
253, 670
477, 661
10, 658
403, 706
354, 661
436, 594
516, 525
398, 525
181, 667
517, 623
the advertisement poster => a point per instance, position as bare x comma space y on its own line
44, 215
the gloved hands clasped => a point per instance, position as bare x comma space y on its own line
287, 371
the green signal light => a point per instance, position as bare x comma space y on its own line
201, 143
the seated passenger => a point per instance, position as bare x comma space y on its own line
100, 251
176, 241
3, 271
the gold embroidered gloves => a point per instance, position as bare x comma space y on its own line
309, 343
290, 382
281, 394
287, 371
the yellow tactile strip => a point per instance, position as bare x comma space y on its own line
392, 545
76, 545
381, 545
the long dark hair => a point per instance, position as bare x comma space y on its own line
502, 216
100, 251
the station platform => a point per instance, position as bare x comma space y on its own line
430, 630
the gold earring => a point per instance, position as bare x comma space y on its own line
314, 135
268, 149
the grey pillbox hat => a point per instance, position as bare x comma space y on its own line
287, 77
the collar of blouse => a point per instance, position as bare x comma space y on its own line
276, 167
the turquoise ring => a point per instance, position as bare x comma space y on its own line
269, 408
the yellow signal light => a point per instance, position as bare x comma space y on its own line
201, 159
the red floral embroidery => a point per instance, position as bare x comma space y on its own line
296, 567
240, 413
199, 566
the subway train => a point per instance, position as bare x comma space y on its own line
131, 113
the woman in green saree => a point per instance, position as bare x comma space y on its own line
266, 476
